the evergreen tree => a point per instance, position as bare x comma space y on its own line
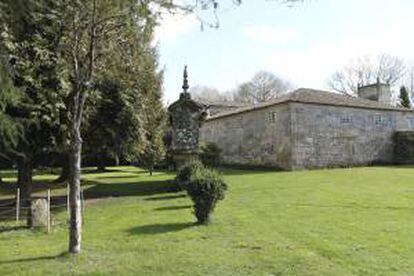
10, 129
29, 43
154, 117
404, 98
116, 124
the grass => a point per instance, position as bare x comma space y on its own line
327, 222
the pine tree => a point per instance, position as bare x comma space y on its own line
154, 118
29, 40
404, 98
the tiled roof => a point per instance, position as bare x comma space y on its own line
312, 96
221, 103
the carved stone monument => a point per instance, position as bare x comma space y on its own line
186, 117
39, 209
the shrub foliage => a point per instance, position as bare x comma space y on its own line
210, 154
184, 175
204, 186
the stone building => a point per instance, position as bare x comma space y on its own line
216, 107
311, 129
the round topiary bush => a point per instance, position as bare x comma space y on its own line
205, 188
210, 154
184, 174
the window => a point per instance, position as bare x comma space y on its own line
271, 117
410, 121
378, 120
239, 122
345, 119
383, 120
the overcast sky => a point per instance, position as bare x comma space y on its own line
304, 44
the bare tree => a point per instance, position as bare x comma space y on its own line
209, 94
264, 86
367, 70
94, 29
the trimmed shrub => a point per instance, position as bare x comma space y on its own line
205, 188
210, 154
184, 174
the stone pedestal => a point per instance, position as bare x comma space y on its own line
181, 159
40, 211
186, 117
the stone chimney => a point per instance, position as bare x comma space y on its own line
379, 92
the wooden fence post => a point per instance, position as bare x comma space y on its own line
67, 200
18, 205
48, 210
82, 206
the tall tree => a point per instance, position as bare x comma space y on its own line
154, 116
367, 70
264, 86
29, 38
404, 97
10, 129
96, 30
128, 91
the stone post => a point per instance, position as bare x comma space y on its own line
40, 213
186, 117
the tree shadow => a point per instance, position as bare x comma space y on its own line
4, 229
140, 188
8, 173
153, 229
96, 171
172, 208
166, 197
355, 206
236, 172
118, 176
33, 259
408, 166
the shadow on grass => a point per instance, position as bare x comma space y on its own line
140, 188
96, 171
12, 228
129, 174
8, 173
173, 208
354, 206
166, 197
33, 259
154, 229
236, 172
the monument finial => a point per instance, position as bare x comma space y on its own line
185, 83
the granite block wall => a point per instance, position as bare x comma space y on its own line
296, 136
255, 138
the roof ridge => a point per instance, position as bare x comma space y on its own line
315, 96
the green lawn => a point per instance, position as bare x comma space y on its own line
328, 222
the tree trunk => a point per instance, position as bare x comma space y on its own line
24, 182
64, 174
116, 161
75, 228
101, 161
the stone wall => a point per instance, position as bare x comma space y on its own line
255, 138
297, 136
331, 136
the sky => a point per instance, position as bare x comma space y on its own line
304, 44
